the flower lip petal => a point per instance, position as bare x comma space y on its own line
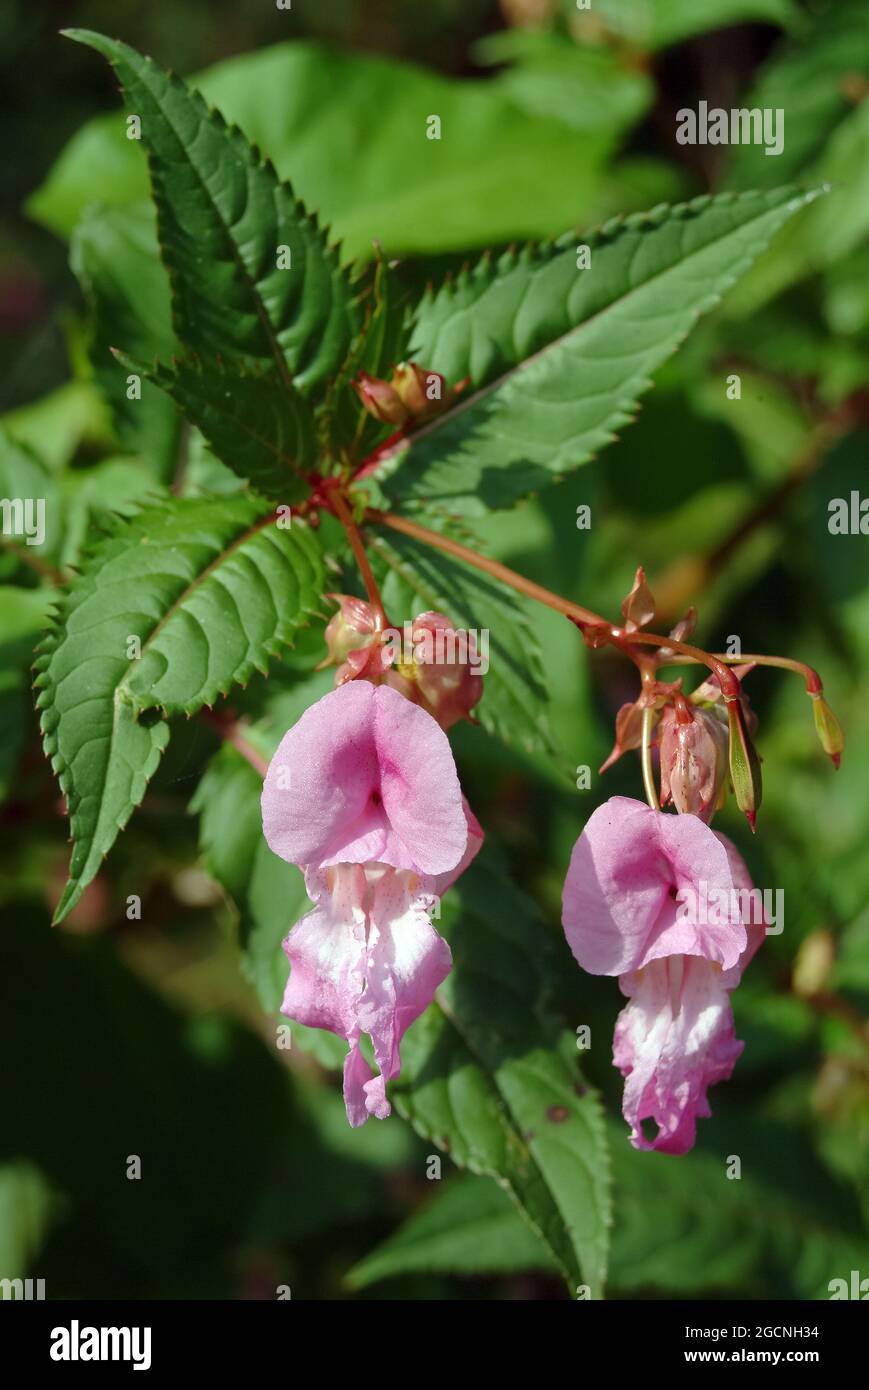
419, 785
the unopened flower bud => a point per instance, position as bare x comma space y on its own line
352, 627
380, 399
445, 676
423, 393
829, 730
744, 763
693, 748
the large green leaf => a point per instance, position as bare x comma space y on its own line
489, 1078
560, 355
349, 130
588, 87
210, 589
225, 222
469, 1227
113, 253
682, 1228
417, 578
257, 424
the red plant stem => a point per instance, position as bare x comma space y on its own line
582, 617
339, 506
231, 732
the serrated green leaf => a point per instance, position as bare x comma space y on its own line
210, 589
258, 425
112, 253
469, 1227
486, 1076
416, 578
91, 496
682, 1228
560, 355
224, 220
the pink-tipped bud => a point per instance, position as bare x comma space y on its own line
693, 748
445, 671
380, 399
829, 730
353, 641
352, 627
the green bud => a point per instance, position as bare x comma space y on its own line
744, 764
829, 730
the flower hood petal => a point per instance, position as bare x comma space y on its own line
365, 776
632, 885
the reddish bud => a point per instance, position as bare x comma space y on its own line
423, 393
444, 672
353, 640
380, 399
693, 748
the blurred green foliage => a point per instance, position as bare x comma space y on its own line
142, 1037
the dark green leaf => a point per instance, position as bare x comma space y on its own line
488, 1077
225, 224
560, 355
210, 590
258, 425
469, 1227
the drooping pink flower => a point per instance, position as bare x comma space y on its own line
363, 795
667, 904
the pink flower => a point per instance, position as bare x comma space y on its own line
363, 795
666, 904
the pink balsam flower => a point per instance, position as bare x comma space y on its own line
665, 903
363, 795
